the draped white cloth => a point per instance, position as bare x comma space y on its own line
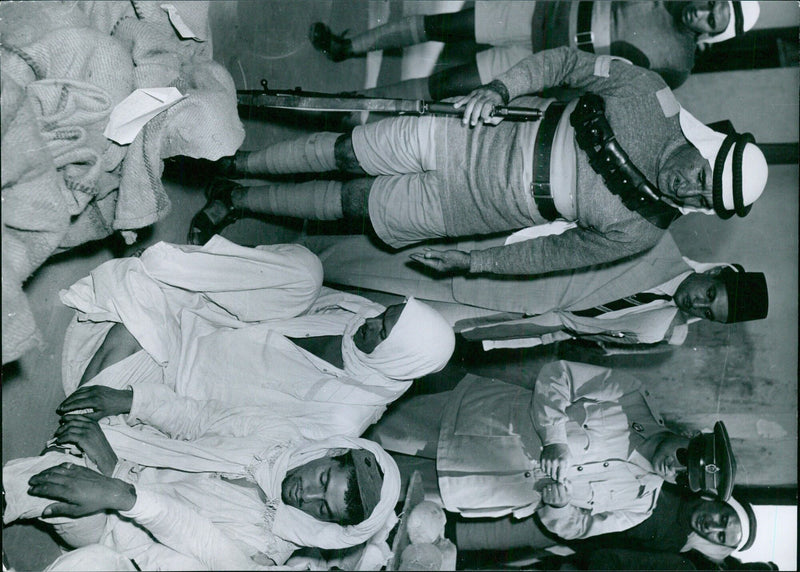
421, 342
719, 552
296, 526
708, 142
267, 468
214, 323
218, 319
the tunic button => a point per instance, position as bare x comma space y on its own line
585, 426
605, 464
580, 468
527, 474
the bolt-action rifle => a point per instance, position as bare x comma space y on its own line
315, 101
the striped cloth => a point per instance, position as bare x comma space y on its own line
622, 304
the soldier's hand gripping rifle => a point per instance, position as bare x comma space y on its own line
315, 101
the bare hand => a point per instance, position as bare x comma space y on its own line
81, 490
479, 106
104, 400
86, 434
556, 495
555, 460
450, 261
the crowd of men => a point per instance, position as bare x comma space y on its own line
225, 409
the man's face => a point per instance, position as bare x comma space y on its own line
317, 488
665, 459
686, 178
703, 296
706, 17
375, 330
717, 522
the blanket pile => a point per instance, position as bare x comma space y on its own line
65, 66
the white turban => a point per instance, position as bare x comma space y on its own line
296, 526
421, 342
744, 14
708, 143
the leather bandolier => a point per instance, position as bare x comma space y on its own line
609, 160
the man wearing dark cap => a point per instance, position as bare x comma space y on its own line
641, 304
725, 294
586, 451
711, 468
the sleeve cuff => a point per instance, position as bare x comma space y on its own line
554, 514
500, 88
555, 434
480, 261
144, 397
557, 511
142, 506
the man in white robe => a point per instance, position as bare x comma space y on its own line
197, 506
239, 325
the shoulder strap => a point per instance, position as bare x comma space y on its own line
609, 160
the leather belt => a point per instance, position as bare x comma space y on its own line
584, 39
542, 149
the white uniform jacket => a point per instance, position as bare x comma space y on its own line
492, 431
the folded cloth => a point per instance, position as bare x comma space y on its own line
35, 216
65, 66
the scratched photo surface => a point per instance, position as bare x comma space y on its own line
744, 374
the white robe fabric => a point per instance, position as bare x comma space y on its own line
217, 320
203, 519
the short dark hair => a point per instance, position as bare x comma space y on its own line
352, 495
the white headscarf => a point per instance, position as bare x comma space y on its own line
421, 342
708, 143
750, 12
296, 526
744, 521
719, 552
237, 457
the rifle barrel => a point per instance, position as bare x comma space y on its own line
312, 101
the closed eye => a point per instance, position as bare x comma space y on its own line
324, 477
711, 20
324, 512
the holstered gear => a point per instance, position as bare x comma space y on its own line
609, 160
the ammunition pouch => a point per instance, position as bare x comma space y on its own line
609, 160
